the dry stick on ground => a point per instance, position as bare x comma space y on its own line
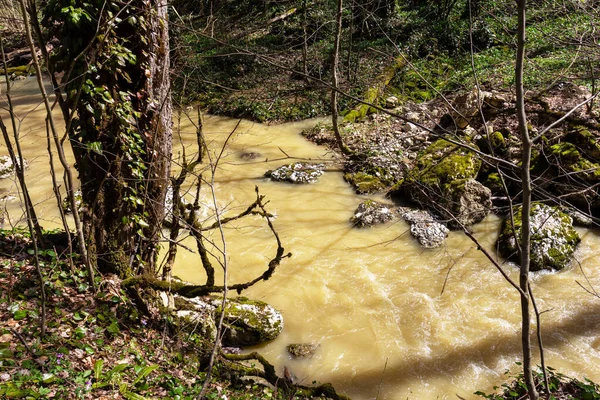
61, 153
19, 165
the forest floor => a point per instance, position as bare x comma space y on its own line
248, 62
96, 345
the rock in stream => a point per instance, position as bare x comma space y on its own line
298, 172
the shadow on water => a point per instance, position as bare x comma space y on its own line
489, 351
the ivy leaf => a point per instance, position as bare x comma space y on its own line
80, 332
96, 147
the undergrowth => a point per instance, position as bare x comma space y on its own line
97, 345
234, 82
560, 387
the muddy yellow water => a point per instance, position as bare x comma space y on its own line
392, 320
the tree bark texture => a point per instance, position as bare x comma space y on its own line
114, 58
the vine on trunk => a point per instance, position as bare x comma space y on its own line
113, 57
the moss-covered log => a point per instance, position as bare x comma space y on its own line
375, 92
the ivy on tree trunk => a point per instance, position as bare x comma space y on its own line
114, 60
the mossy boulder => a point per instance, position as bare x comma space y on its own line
586, 141
494, 183
198, 321
443, 180
468, 201
568, 156
575, 175
364, 183
443, 162
553, 238
466, 107
371, 213
246, 322
494, 143
249, 322
298, 172
190, 314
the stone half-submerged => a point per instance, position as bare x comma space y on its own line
302, 350
249, 322
298, 172
424, 227
553, 238
371, 213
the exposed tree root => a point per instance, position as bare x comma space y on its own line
232, 362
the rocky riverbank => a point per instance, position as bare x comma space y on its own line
458, 158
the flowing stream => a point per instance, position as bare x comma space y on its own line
393, 320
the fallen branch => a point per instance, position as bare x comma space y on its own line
187, 290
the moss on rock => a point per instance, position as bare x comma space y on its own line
571, 159
553, 238
443, 180
302, 350
364, 183
442, 163
249, 322
371, 213
494, 183
498, 142
585, 140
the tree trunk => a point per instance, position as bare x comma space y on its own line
115, 61
334, 80
526, 213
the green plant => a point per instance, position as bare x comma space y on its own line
559, 386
